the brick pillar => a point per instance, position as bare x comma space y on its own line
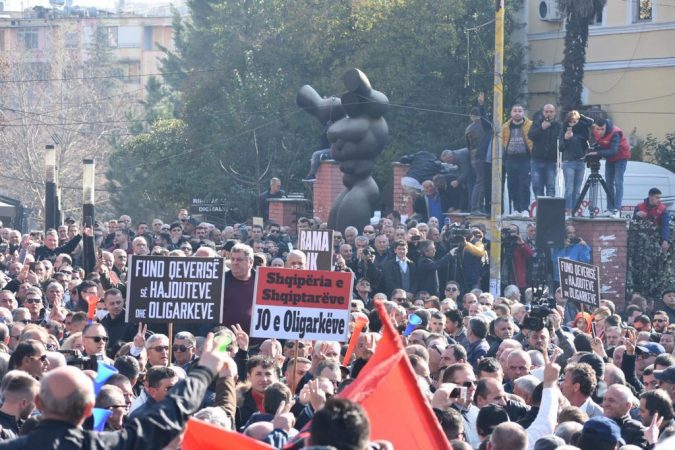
609, 240
403, 203
286, 211
327, 187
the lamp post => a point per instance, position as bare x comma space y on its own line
88, 191
50, 187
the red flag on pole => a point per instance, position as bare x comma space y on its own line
201, 435
387, 388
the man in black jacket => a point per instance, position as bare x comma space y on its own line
66, 399
400, 272
118, 330
616, 406
544, 136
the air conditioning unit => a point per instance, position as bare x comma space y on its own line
549, 11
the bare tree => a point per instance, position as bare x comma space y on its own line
63, 94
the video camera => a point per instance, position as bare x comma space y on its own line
76, 359
593, 162
509, 237
538, 313
458, 234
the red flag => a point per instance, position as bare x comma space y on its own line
201, 435
387, 388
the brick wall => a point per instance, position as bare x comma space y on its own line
402, 202
286, 211
327, 187
609, 241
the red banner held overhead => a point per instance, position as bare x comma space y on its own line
387, 383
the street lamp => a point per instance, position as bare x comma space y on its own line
50, 187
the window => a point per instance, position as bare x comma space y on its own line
129, 37
642, 11
28, 37
111, 32
147, 38
597, 19
72, 40
133, 72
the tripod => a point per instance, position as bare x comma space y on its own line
593, 183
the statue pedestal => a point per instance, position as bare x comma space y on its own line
327, 187
608, 238
286, 211
403, 202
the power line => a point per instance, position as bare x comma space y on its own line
103, 77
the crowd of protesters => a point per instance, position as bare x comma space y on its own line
499, 372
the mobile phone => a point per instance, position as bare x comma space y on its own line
100, 253
459, 392
593, 333
32, 266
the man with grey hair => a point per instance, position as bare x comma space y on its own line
508, 436
512, 292
18, 393
566, 430
616, 405
112, 399
66, 399
524, 387
239, 287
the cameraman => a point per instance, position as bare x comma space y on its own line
574, 136
470, 255
516, 254
613, 145
575, 249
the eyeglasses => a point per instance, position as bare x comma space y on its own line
117, 406
98, 339
451, 289
33, 300
160, 348
368, 232
291, 344
42, 358
180, 348
274, 231
399, 299
468, 384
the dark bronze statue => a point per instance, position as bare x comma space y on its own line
355, 140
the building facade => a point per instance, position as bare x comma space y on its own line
630, 64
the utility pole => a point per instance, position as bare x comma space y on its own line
497, 113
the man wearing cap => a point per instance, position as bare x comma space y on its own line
600, 433
616, 404
667, 380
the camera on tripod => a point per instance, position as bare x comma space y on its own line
539, 311
458, 234
593, 162
76, 359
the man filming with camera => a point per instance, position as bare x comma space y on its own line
613, 145
516, 254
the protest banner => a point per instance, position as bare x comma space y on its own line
175, 289
301, 304
318, 246
579, 281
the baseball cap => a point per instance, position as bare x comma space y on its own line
667, 375
653, 348
603, 429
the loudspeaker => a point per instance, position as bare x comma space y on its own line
550, 222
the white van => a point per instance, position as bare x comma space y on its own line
639, 178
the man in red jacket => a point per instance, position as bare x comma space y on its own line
612, 145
